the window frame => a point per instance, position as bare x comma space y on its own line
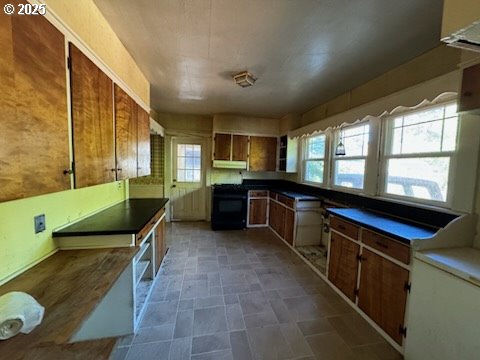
334, 158
385, 149
325, 160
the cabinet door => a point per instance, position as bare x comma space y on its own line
289, 226
343, 264
222, 146
143, 142
240, 148
470, 93
34, 146
263, 153
272, 212
125, 134
160, 246
382, 293
280, 221
92, 122
257, 212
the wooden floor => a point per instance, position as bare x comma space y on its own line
245, 295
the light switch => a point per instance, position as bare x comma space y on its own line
39, 223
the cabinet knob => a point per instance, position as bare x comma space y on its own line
467, 93
67, 172
119, 169
113, 170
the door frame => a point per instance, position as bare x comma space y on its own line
206, 164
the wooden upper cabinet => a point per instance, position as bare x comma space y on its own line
92, 119
222, 146
263, 153
343, 264
383, 293
470, 94
143, 148
125, 134
34, 146
239, 147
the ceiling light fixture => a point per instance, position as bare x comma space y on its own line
244, 79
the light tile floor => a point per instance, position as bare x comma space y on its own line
245, 295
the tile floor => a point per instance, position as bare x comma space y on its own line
245, 295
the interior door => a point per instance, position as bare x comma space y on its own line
187, 195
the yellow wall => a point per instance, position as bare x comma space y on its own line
19, 244
86, 20
432, 64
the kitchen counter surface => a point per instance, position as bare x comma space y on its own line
296, 195
69, 284
127, 217
394, 228
463, 262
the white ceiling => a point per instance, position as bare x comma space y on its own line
304, 52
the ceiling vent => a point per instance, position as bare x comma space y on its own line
468, 38
244, 79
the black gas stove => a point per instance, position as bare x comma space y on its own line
229, 206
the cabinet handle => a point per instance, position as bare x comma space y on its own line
119, 169
67, 172
113, 170
467, 93
140, 237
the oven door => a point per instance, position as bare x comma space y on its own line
229, 211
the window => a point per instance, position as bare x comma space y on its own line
349, 169
189, 162
418, 154
314, 163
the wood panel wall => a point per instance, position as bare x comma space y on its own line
92, 122
34, 150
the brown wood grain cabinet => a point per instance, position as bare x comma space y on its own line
34, 146
343, 264
263, 153
92, 121
257, 212
125, 134
239, 148
143, 143
289, 226
469, 99
222, 146
382, 293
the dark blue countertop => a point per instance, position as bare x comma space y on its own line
127, 217
296, 195
397, 229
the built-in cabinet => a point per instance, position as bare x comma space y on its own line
257, 208
34, 146
287, 154
237, 151
469, 99
92, 121
372, 271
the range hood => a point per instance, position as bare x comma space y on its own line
230, 164
467, 38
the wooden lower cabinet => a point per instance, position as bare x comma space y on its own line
289, 226
160, 244
343, 264
382, 293
257, 211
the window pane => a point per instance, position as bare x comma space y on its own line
314, 171
424, 115
422, 138
196, 175
196, 163
316, 147
180, 150
181, 162
196, 150
180, 175
451, 110
355, 140
349, 173
422, 178
189, 162
450, 134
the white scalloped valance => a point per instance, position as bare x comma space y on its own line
437, 90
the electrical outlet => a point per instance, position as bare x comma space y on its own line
39, 221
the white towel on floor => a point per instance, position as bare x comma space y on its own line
19, 312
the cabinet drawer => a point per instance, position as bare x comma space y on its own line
344, 227
386, 245
258, 193
286, 200
146, 229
